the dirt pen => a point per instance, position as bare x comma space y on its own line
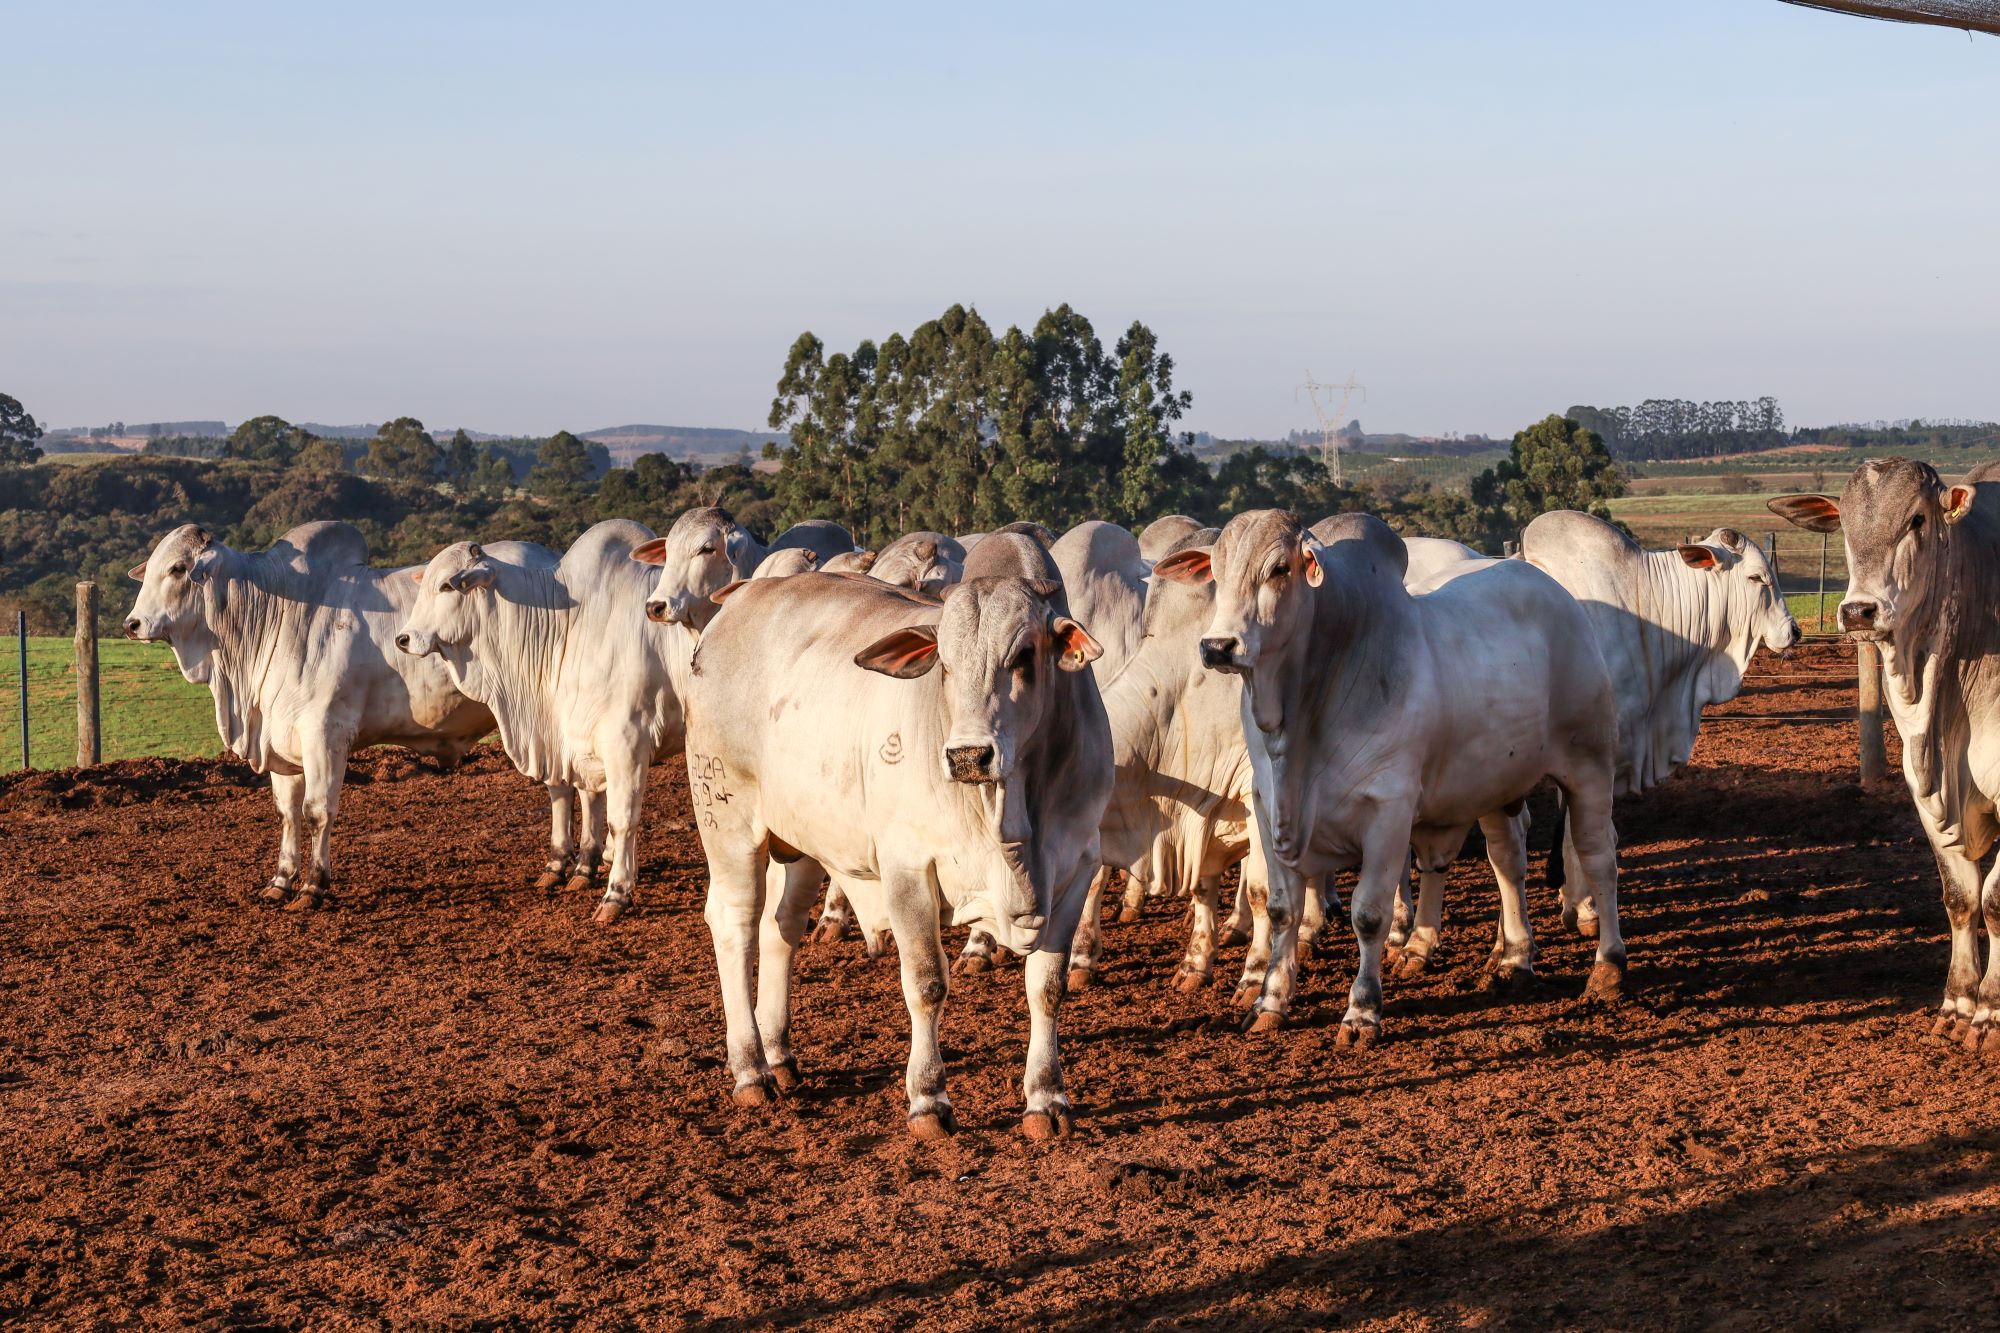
447, 1100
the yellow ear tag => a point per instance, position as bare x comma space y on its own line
1956, 512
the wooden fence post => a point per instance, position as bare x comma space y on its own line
21, 634
1874, 756
88, 749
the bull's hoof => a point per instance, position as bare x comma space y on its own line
1583, 923
752, 1095
1606, 984
1411, 966
1235, 937
607, 912
1127, 914
1309, 946
306, 900
577, 884
1509, 979
275, 892
1190, 980
878, 944
934, 1126
1263, 1020
1081, 978
547, 880
829, 930
1945, 1025
1247, 992
785, 1074
1048, 1126
971, 965
1356, 1034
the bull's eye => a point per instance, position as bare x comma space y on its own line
1279, 570
1917, 523
1023, 663
178, 570
709, 549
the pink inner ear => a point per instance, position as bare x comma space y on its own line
416, 576
1187, 567
653, 552
910, 656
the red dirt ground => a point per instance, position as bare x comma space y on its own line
448, 1100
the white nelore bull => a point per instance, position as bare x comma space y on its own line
1923, 562
925, 752
1378, 721
1677, 629
585, 693
294, 645
706, 550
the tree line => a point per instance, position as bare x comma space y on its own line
950, 427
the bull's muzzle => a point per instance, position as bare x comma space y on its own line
1219, 653
1863, 616
661, 613
403, 642
975, 762
132, 628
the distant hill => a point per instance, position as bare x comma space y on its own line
706, 444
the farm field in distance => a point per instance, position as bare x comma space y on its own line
144, 707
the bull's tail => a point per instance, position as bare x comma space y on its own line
1554, 874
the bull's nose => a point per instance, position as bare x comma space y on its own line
969, 763
403, 642
1858, 613
656, 611
1218, 652
132, 628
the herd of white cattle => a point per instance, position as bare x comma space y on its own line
985, 726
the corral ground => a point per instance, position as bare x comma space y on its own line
448, 1100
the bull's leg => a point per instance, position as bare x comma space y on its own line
1312, 918
980, 952
834, 916
1283, 906
1385, 858
1579, 912
595, 809
325, 767
1256, 958
1047, 1114
788, 896
1404, 917
1985, 1030
1086, 951
1960, 878
1236, 927
289, 791
625, 797
733, 910
562, 834
1135, 898
913, 917
1596, 840
1424, 930
1513, 958
1199, 960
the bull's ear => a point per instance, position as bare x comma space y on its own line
1696, 556
1957, 503
202, 535
473, 576
727, 591
1730, 538
202, 567
1044, 588
1309, 556
1075, 649
1814, 513
653, 552
906, 654
1190, 566
417, 574
137, 573
476, 551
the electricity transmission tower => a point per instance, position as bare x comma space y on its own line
1331, 419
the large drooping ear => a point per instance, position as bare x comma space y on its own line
1075, 649
1190, 566
1309, 556
906, 654
653, 552
728, 590
1957, 503
137, 573
417, 574
1814, 513
736, 544
202, 567
471, 577
1696, 556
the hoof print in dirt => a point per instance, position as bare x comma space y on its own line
1356, 1036
934, 1126
1048, 1126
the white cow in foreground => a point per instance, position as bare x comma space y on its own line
1378, 721
955, 752
584, 691
294, 644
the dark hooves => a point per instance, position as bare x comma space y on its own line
934, 1126
1048, 1126
1356, 1036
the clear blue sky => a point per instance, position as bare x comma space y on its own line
531, 217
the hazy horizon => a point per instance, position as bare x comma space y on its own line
513, 219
